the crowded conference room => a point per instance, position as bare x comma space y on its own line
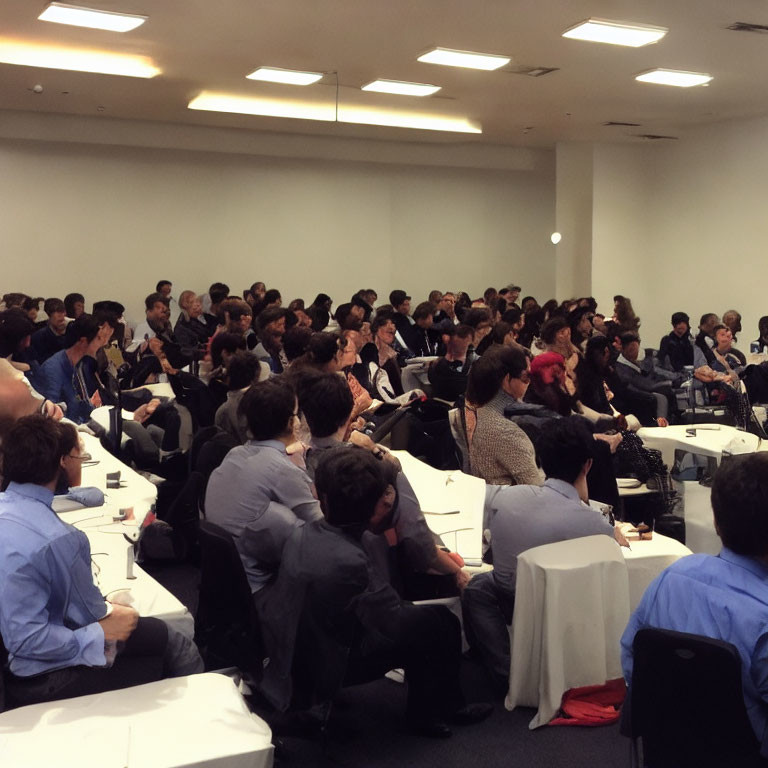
383, 384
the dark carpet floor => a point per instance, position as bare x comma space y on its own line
368, 728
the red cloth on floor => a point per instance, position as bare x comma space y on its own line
592, 705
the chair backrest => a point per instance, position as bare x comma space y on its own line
226, 618
686, 702
198, 440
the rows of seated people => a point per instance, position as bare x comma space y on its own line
542, 402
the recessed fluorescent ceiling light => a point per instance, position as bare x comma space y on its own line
52, 57
222, 102
400, 88
674, 77
466, 59
616, 33
285, 76
60, 13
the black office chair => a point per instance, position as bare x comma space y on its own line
226, 625
686, 705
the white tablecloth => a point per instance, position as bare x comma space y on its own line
646, 560
453, 504
709, 440
200, 720
571, 607
110, 550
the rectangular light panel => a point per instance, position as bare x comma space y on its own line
467, 59
221, 102
61, 13
675, 77
78, 60
284, 76
400, 88
616, 33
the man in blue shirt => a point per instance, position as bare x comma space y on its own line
60, 378
527, 516
62, 638
723, 597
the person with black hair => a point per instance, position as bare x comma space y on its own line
499, 450
16, 330
328, 623
295, 342
63, 638
75, 305
425, 339
242, 370
59, 379
723, 597
448, 374
164, 288
253, 475
526, 516
211, 300
272, 323
676, 348
580, 321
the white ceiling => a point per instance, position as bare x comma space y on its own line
212, 44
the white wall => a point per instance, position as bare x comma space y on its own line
574, 219
109, 221
683, 226
621, 234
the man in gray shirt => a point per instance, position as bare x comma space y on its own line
258, 494
527, 516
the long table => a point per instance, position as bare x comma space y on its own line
110, 551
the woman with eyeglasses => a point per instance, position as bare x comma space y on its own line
499, 450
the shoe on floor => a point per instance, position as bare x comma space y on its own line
471, 713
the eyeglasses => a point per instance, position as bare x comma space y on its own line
80, 457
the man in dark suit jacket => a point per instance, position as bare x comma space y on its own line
352, 629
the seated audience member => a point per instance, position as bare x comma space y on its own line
211, 300
676, 349
532, 321
446, 311
732, 319
435, 297
154, 337
164, 288
723, 596
448, 375
580, 321
499, 451
762, 334
75, 305
295, 342
16, 331
193, 329
624, 316
324, 354
327, 404
705, 339
598, 324
479, 320
401, 316
272, 322
528, 303
424, 337
63, 639
591, 372
14, 300
253, 475
32, 307
236, 316
58, 379
255, 294
514, 318
527, 516
723, 362
513, 294
349, 316
242, 371
325, 602
319, 311
643, 382
555, 336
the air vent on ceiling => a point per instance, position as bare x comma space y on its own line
619, 123
522, 69
743, 26
654, 136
